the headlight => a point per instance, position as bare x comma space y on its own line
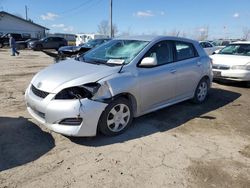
242, 67
90, 90
73, 93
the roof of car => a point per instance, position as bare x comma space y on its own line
153, 37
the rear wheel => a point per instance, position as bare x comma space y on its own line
116, 118
201, 91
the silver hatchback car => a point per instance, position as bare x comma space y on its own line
104, 89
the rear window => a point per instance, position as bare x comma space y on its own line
184, 51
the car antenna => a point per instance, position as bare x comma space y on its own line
121, 67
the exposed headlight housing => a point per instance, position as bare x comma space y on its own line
241, 67
77, 92
91, 90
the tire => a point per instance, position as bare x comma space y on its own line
1, 45
201, 91
38, 47
22, 46
116, 118
247, 83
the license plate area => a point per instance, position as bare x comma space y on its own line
217, 73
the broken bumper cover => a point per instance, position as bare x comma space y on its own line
50, 113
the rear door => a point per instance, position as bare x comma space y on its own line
46, 43
188, 69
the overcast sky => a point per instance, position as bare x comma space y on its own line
222, 18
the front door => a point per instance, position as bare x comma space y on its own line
157, 83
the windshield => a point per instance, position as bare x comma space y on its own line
115, 52
236, 49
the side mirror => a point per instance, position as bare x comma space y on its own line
148, 62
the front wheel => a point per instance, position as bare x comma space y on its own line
201, 91
38, 47
116, 118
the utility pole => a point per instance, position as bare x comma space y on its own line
110, 20
26, 12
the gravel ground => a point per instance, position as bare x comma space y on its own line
185, 145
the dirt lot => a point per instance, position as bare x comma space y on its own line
185, 145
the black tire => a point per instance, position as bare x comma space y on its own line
1, 45
38, 47
22, 46
108, 129
201, 91
247, 83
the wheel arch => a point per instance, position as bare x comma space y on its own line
206, 77
131, 98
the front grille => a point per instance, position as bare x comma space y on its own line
39, 93
221, 67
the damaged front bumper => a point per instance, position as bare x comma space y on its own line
54, 114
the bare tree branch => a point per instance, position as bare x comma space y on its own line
103, 28
246, 33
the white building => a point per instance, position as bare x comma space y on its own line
67, 36
82, 38
13, 24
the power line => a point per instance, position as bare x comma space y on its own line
76, 7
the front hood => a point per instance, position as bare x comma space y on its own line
70, 73
69, 48
230, 60
34, 42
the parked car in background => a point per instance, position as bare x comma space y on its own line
208, 47
221, 43
24, 44
113, 83
233, 62
82, 38
69, 51
48, 43
4, 39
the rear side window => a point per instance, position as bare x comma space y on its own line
208, 45
56, 39
184, 50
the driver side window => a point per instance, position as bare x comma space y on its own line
162, 51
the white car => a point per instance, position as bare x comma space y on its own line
233, 62
208, 47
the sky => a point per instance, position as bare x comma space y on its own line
220, 18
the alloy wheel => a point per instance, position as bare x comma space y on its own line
202, 91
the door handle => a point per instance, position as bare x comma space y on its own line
173, 71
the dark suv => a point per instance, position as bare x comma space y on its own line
4, 40
48, 43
